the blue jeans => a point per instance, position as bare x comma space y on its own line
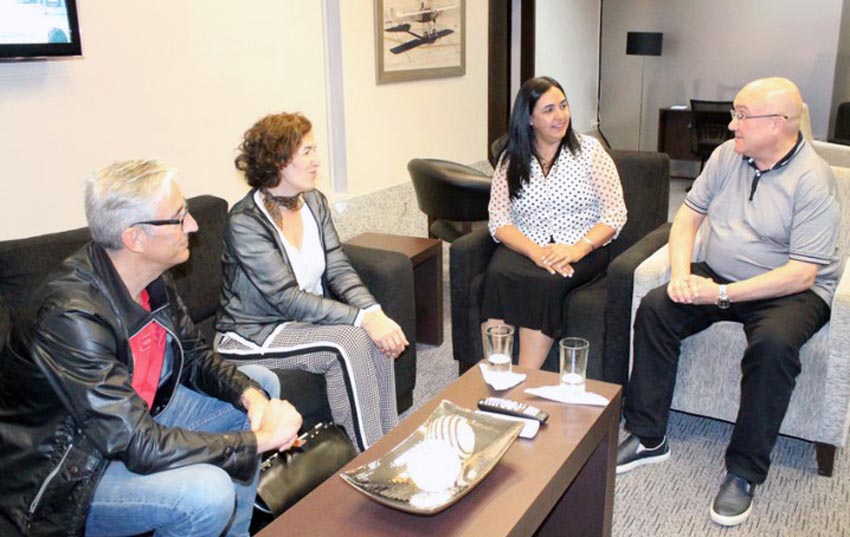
200, 499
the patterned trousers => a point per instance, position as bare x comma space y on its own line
360, 380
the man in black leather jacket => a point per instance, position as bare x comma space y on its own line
115, 416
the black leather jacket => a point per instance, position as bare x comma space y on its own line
259, 289
67, 406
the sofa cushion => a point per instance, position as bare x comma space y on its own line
647, 198
198, 280
5, 324
307, 392
25, 263
586, 308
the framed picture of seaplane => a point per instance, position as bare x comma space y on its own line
417, 39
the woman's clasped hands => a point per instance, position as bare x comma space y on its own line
557, 258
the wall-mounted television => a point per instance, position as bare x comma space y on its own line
39, 29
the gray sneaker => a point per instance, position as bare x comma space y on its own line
733, 502
631, 454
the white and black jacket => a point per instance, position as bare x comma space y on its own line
260, 290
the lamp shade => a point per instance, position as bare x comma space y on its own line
644, 43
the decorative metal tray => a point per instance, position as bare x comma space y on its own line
439, 463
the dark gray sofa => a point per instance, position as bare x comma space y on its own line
599, 311
24, 263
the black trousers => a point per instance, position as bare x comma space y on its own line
776, 329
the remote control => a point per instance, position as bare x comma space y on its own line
512, 408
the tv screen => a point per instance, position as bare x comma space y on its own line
39, 29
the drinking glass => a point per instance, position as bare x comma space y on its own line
574, 362
500, 346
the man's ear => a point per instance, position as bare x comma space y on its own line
134, 239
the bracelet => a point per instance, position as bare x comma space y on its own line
590, 242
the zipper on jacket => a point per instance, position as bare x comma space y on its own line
178, 362
47, 480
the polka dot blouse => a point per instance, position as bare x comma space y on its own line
578, 193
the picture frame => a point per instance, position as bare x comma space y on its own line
419, 39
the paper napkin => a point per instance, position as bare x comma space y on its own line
565, 394
501, 381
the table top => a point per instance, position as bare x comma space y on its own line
513, 499
416, 248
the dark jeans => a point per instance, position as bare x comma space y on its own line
776, 328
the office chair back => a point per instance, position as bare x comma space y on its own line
450, 194
709, 127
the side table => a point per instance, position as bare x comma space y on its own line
426, 256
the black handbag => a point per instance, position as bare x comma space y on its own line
288, 476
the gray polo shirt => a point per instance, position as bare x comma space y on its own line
791, 212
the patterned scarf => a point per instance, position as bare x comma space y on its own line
274, 203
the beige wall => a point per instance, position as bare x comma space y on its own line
567, 49
182, 80
176, 80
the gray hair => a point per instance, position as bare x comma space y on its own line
123, 194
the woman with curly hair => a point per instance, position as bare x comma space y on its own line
290, 298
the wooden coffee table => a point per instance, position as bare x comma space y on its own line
559, 483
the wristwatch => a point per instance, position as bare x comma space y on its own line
722, 297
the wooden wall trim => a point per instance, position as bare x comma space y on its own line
499, 63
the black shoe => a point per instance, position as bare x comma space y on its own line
733, 502
631, 454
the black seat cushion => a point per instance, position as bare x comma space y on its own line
308, 394
199, 279
25, 263
5, 323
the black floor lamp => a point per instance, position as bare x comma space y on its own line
643, 44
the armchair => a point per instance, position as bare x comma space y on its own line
835, 154
597, 311
708, 376
452, 195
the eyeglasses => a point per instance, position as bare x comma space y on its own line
743, 117
180, 220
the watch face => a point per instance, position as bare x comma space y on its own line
722, 298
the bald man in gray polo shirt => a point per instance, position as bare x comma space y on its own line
771, 264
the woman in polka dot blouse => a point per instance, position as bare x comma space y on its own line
555, 204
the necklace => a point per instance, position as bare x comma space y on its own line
546, 163
274, 203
